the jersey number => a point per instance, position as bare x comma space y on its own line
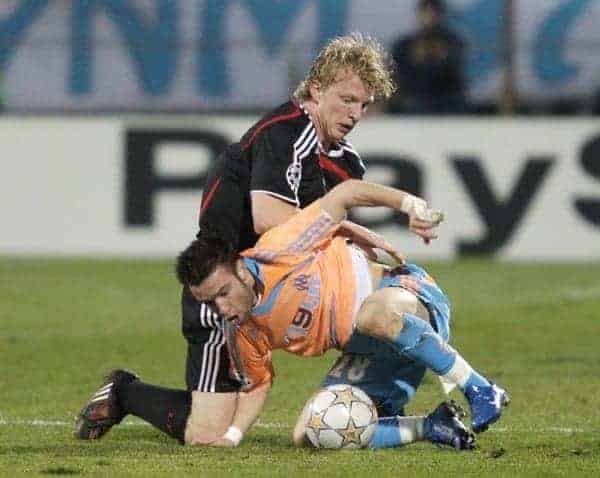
303, 318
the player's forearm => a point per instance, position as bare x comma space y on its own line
249, 407
356, 193
351, 229
210, 417
370, 241
359, 234
268, 211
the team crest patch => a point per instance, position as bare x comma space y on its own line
301, 282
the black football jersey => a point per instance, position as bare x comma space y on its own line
279, 155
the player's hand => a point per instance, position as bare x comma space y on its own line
424, 229
392, 251
368, 241
422, 219
378, 242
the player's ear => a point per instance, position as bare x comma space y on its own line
240, 269
244, 273
315, 90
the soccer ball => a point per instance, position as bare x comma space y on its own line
340, 416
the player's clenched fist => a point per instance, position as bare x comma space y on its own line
422, 219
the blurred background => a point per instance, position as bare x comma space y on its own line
112, 110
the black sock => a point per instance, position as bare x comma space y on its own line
165, 408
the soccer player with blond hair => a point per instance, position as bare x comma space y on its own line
284, 162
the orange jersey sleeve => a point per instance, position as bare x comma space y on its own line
254, 352
309, 229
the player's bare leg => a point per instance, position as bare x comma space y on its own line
393, 315
299, 434
210, 417
191, 417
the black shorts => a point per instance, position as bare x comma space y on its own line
207, 363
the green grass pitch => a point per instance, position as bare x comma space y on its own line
534, 328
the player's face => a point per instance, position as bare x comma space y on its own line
341, 105
232, 293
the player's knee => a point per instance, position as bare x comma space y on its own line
192, 439
371, 316
299, 438
382, 313
197, 435
299, 435
210, 416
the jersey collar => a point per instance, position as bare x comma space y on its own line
259, 281
336, 150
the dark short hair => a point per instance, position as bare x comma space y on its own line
197, 261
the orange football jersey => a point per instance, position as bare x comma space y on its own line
308, 294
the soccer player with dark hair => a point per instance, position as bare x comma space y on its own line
284, 162
305, 290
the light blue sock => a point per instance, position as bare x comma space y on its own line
420, 342
397, 431
387, 433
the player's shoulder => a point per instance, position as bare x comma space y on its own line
348, 150
285, 124
350, 159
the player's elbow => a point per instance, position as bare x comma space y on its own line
263, 221
345, 192
261, 226
341, 198
203, 435
268, 211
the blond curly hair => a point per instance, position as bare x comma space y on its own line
361, 54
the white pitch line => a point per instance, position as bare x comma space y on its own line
41, 422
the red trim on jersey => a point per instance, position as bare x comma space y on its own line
206, 200
329, 165
275, 119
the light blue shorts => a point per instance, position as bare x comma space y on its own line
388, 377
